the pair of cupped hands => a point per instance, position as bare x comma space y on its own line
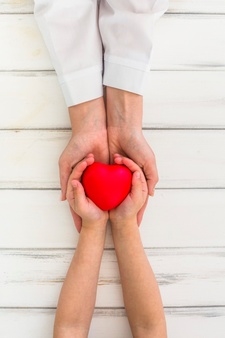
104, 127
85, 212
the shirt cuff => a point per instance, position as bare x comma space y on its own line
125, 77
82, 86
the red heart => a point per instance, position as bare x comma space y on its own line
107, 185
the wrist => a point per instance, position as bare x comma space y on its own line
124, 225
123, 109
88, 116
94, 228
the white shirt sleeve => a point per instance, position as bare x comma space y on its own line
80, 33
126, 28
70, 31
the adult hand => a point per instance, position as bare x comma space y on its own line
89, 135
124, 121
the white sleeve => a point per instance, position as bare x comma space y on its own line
126, 28
71, 34
70, 29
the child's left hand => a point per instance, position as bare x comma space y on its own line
80, 204
135, 203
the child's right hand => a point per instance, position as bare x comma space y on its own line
77, 199
137, 198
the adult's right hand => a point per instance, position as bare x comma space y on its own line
89, 135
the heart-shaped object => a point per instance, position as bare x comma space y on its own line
107, 185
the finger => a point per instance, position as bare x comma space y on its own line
79, 194
72, 193
130, 165
64, 173
150, 171
80, 167
139, 194
65, 170
77, 220
119, 159
136, 188
141, 212
152, 179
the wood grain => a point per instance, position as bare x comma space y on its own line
173, 218
175, 6
38, 323
187, 277
183, 227
182, 42
16, 6
171, 100
186, 158
197, 6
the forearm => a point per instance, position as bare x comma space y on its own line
140, 290
88, 117
78, 294
124, 109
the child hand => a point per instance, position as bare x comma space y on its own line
136, 200
80, 204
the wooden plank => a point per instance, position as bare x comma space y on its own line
171, 100
173, 218
184, 100
196, 6
32, 100
186, 158
38, 323
180, 43
175, 6
21, 45
196, 322
16, 6
186, 277
189, 42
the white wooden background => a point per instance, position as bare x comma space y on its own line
184, 227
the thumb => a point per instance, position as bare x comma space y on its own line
64, 173
79, 194
139, 191
136, 188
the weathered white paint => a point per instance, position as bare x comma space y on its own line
184, 227
189, 42
172, 100
181, 322
182, 42
16, 6
32, 100
173, 218
187, 277
175, 6
196, 6
186, 158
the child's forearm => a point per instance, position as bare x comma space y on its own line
140, 290
78, 294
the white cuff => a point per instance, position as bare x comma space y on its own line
125, 77
82, 86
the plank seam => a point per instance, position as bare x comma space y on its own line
116, 308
